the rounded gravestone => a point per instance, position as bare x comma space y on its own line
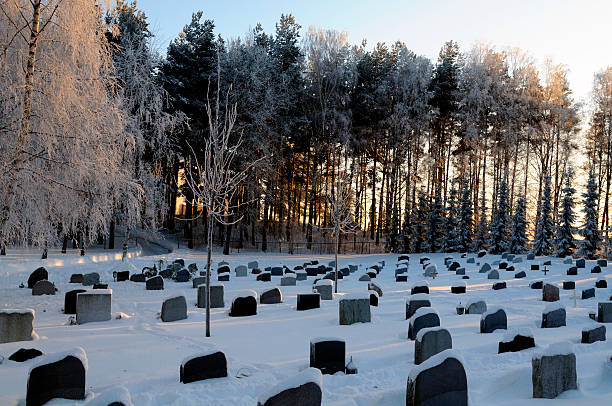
424, 317
492, 320
440, 380
301, 390
174, 308
70, 300
43, 287
431, 341
208, 365
271, 296
39, 274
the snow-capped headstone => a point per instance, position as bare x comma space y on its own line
208, 365
602, 263
440, 380
530, 257
303, 389
475, 306
354, 309
401, 278
216, 296
244, 304
25, 354
39, 274
572, 271
138, 277
502, 265
471, 260
373, 286
493, 319
276, 271
482, 253
223, 268
601, 284
308, 301
415, 302
289, 280
485, 268
569, 285
604, 312
596, 269
123, 276
324, 287
327, 355
536, 285
57, 376
155, 283
114, 396
554, 371
225, 277
70, 300
591, 335
453, 266
588, 293
431, 341
458, 287
499, 285
183, 275
76, 278
241, 271
553, 316
420, 287
264, 277
253, 265
516, 340
197, 281
520, 275
493, 274
43, 287
580, 263
90, 279
179, 261
16, 325
430, 271
271, 296
374, 299
550, 293
93, 306
174, 308
422, 318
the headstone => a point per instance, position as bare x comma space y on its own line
471, 260
241, 271
16, 325
70, 300
353, 268
516, 340
183, 276
499, 285
100, 286
510, 269
596, 269
138, 277
203, 366
123, 276
90, 279
475, 307
216, 296
602, 263
288, 280
223, 269
415, 302
375, 288
572, 271
179, 261
301, 390
554, 371
310, 271
371, 274
253, 265
403, 258
494, 274
547, 262
26, 354
76, 278
374, 299
264, 277
39, 274
93, 306
431, 271
553, 316
276, 271
440, 380
550, 293
198, 280
588, 293
43, 287
401, 278
225, 277
569, 285
155, 283
530, 257
517, 260
174, 308
458, 288
568, 260
431, 341
482, 253
271, 296
307, 301
591, 335
536, 285
492, 320
325, 288
354, 309
192, 268
327, 355
535, 267
604, 312
301, 276
601, 284
580, 263
460, 271
520, 275
485, 268
420, 287
57, 376
422, 318
244, 305
453, 266
503, 265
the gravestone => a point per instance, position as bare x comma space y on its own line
580, 263
192, 268
492, 320
16, 325
420, 287
123, 276
76, 278
276, 271
517, 340
354, 308
482, 253
264, 277
415, 302
503, 265
554, 371
365, 278
301, 276
139, 277
499, 285
547, 262
353, 268
375, 288
401, 278
183, 276
324, 287
244, 305
536, 285
327, 355
371, 274
553, 316
485, 268
458, 288
90, 279
440, 380
241, 271
572, 271
155, 283
39, 274
602, 263
591, 335
179, 261
530, 257
510, 269
520, 275
100, 286
225, 277
431, 341
601, 284
475, 307
460, 271
216, 296
373, 299
453, 266
422, 318
567, 260
403, 258
471, 260
174, 308
57, 376
550, 293
430, 271
288, 280
253, 265
308, 301
25, 354
208, 365
517, 260
596, 269
223, 269
70, 301
494, 274
198, 280
344, 271
569, 285
43, 287
93, 306
310, 271
604, 312
588, 293
301, 390
535, 267
271, 296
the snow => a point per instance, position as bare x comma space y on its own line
77, 352
97, 292
420, 283
523, 331
435, 361
417, 296
355, 296
422, 311
318, 340
115, 394
323, 282
421, 333
472, 301
244, 293
306, 376
18, 311
558, 348
553, 306
198, 355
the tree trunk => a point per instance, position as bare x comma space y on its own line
208, 258
111, 235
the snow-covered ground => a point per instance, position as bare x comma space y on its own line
143, 354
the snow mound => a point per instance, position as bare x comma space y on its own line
491, 311
308, 375
198, 355
97, 292
322, 282
523, 331
354, 296
422, 311
560, 348
420, 283
434, 361
111, 396
318, 340
553, 306
421, 333
417, 296
472, 301
18, 311
77, 352
244, 293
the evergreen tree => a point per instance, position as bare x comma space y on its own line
435, 224
419, 225
499, 221
589, 231
543, 239
518, 240
565, 244
452, 242
466, 217
480, 238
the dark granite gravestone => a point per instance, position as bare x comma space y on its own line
138, 277
510, 269
321, 270
354, 309
100, 286
276, 271
520, 275
225, 277
401, 278
460, 271
70, 301
64, 379
155, 283
441, 380
499, 285
183, 275
553, 318
174, 309
403, 258
518, 343
123, 276
485, 268
223, 269
465, 277
572, 271
475, 307
26, 354
547, 262
39, 274
43, 287
301, 390
431, 341
179, 261
588, 293
591, 335
601, 284
371, 274
243, 306
493, 320
604, 312
602, 263
553, 374
569, 285
90, 279
453, 266
458, 289
310, 271
365, 278
535, 267
530, 257
536, 285
253, 265
271, 296
494, 274
416, 289
307, 301
205, 366
76, 278
596, 269
422, 318
327, 355
264, 277
503, 265
482, 253
216, 296
373, 299
345, 271
166, 273
415, 303
580, 263
550, 293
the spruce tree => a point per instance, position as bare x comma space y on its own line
435, 224
419, 224
589, 231
466, 217
543, 239
499, 221
452, 241
518, 240
565, 244
480, 237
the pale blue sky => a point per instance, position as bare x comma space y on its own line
576, 33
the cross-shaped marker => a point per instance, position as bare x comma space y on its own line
544, 270
575, 297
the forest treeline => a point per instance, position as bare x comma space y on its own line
479, 149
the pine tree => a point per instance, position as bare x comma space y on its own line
499, 221
480, 238
518, 240
466, 217
565, 244
589, 231
419, 224
435, 224
543, 239
452, 241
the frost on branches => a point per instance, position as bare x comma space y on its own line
589, 231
